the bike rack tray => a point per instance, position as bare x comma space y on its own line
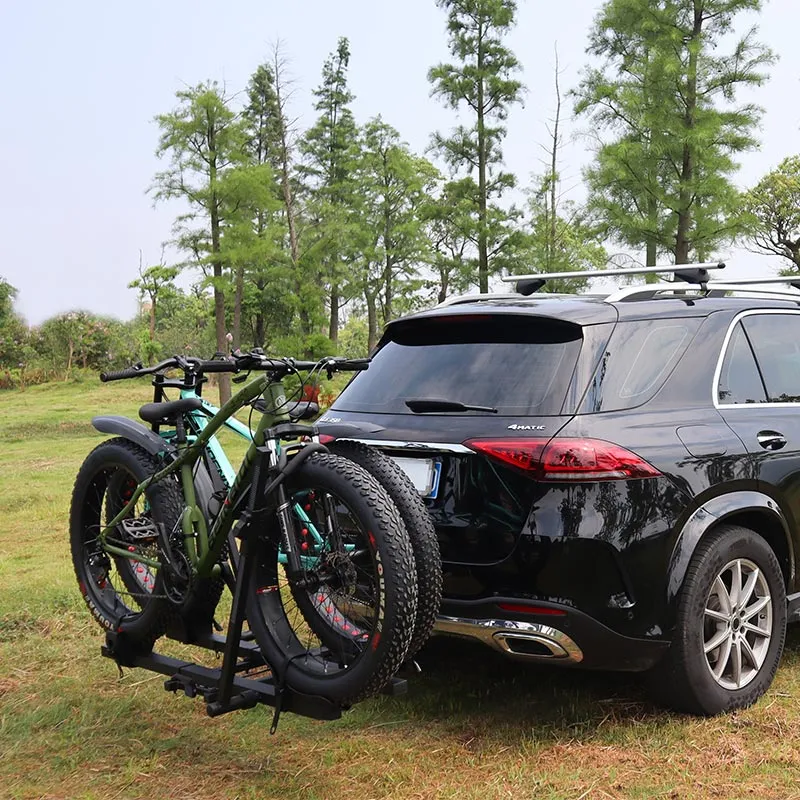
243, 692
195, 679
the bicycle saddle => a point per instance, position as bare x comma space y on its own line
167, 413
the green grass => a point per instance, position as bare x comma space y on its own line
472, 726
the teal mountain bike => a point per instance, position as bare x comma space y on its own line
312, 546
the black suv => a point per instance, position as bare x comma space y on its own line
615, 481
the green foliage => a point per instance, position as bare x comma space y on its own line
354, 338
394, 188
481, 85
13, 332
667, 93
566, 241
330, 148
773, 209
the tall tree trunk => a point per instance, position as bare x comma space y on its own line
69, 360
152, 317
483, 245
333, 329
682, 236
219, 294
237, 308
652, 224
286, 184
444, 285
553, 234
372, 320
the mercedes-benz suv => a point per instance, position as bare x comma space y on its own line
615, 481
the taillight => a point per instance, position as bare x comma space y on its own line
325, 438
567, 459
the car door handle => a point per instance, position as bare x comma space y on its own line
771, 440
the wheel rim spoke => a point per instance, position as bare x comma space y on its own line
715, 641
749, 587
724, 655
736, 662
721, 591
736, 583
748, 652
719, 616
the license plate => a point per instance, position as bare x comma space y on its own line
424, 473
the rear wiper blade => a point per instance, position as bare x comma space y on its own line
432, 404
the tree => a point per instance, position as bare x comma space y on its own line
560, 237
331, 157
394, 187
153, 283
13, 332
204, 140
668, 94
482, 84
773, 206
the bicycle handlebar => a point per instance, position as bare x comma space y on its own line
239, 362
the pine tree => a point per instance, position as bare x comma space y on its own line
330, 148
482, 84
204, 141
667, 94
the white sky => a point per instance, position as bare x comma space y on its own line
83, 81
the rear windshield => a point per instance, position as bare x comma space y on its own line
518, 365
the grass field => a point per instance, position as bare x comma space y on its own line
472, 726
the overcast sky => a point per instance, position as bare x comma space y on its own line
82, 82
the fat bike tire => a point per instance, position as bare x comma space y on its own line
342, 627
419, 527
123, 595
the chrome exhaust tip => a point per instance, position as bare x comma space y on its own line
520, 640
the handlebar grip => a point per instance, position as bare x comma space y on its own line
128, 372
358, 364
218, 366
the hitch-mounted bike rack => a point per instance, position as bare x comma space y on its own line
224, 688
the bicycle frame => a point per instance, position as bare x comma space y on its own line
200, 421
203, 546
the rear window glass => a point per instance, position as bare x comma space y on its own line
518, 365
638, 359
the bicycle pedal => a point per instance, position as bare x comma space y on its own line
139, 529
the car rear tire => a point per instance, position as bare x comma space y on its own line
730, 626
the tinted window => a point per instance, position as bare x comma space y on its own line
638, 358
739, 381
518, 365
776, 342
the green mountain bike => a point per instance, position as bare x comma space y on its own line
326, 572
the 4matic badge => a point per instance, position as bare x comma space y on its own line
516, 427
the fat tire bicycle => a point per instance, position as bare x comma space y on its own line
331, 588
395, 481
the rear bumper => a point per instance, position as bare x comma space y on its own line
567, 637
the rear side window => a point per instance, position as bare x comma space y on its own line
776, 343
639, 357
739, 381
519, 365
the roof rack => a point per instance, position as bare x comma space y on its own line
711, 289
689, 273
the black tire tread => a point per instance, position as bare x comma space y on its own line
419, 527
352, 686
144, 628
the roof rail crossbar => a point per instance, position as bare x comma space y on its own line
689, 273
712, 289
792, 280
